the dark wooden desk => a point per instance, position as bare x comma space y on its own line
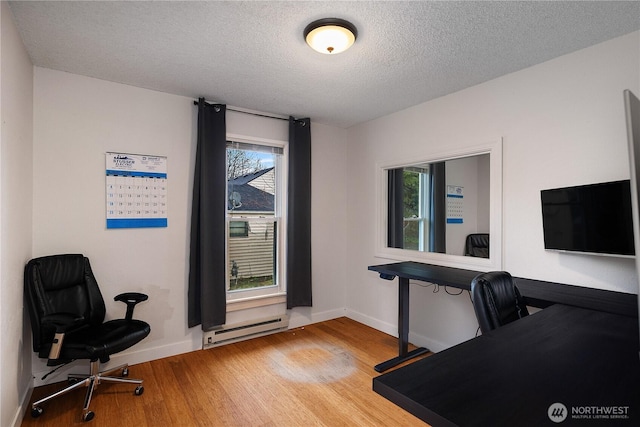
582, 358
536, 293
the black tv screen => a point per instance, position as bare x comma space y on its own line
592, 218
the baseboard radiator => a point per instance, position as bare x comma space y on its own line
245, 330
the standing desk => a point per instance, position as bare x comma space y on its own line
536, 293
405, 271
582, 351
585, 359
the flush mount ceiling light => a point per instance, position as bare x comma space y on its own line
330, 35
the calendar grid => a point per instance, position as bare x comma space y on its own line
136, 191
455, 204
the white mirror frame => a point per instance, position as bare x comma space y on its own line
494, 262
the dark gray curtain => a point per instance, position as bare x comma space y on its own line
395, 208
438, 214
207, 293
299, 214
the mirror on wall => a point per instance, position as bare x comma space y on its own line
444, 210
434, 207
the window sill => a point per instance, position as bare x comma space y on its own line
261, 301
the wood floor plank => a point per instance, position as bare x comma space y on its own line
318, 375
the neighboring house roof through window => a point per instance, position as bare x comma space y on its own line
246, 196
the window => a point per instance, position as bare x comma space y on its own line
415, 208
238, 229
255, 184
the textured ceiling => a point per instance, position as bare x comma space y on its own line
252, 54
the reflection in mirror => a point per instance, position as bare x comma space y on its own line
435, 207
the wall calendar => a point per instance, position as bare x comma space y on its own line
136, 190
455, 204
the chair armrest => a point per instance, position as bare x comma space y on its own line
62, 323
131, 299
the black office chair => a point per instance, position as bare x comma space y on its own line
496, 300
67, 320
477, 245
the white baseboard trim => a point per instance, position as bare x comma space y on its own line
21, 409
387, 328
392, 329
297, 318
431, 344
130, 357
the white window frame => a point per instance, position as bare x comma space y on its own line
276, 294
423, 208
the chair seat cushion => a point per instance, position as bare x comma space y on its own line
101, 341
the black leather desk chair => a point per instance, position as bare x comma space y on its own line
67, 319
477, 245
496, 300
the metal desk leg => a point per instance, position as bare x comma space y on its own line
403, 330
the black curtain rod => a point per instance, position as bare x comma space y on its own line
258, 114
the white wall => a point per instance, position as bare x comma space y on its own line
472, 174
76, 120
483, 194
562, 123
329, 204
16, 134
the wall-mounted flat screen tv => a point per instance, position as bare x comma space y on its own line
594, 219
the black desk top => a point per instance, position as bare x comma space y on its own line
510, 376
445, 276
537, 293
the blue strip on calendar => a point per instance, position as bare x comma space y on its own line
112, 172
136, 222
454, 220
455, 196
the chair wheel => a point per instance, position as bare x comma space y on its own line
139, 390
88, 416
36, 411
125, 372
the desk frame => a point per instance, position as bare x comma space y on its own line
444, 276
403, 331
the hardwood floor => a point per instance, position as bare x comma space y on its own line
318, 375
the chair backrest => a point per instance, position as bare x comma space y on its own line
477, 245
60, 284
496, 300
